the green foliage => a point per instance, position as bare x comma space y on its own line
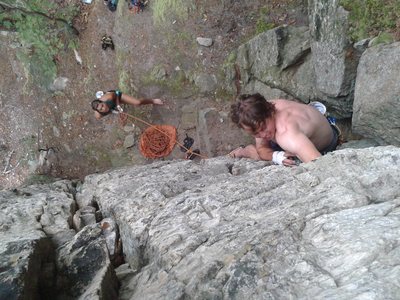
230, 60
262, 26
41, 46
178, 82
368, 17
167, 9
7, 24
123, 82
38, 179
68, 12
382, 38
224, 95
73, 44
41, 36
264, 10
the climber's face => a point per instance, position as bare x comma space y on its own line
102, 107
266, 130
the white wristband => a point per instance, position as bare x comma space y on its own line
278, 157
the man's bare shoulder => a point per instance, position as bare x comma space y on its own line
287, 121
276, 101
282, 104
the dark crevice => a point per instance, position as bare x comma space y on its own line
230, 168
299, 60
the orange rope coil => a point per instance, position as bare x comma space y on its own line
156, 128
157, 141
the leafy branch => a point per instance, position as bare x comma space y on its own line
39, 24
7, 7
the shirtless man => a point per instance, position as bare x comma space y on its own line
284, 130
109, 102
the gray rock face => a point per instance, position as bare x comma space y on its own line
235, 229
32, 271
278, 58
206, 42
377, 103
40, 255
85, 268
315, 63
28, 218
328, 23
206, 83
59, 84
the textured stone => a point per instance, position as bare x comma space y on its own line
28, 217
129, 141
323, 230
84, 266
59, 84
377, 102
206, 42
206, 83
328, 23
40, 255
278, 59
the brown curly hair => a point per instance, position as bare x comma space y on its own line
251, 111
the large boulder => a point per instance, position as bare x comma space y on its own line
235, 229
330, 46
278, 58
334, 58
376, 110
308, 66
41, 257
84, 267
315, 63
33, 221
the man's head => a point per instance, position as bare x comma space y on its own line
101, 107
251, 112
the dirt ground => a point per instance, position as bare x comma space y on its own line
62, 125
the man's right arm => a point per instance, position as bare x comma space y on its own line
267, 153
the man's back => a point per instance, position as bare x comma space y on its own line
292, 116
298, 129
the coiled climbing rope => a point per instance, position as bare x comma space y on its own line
158, 140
